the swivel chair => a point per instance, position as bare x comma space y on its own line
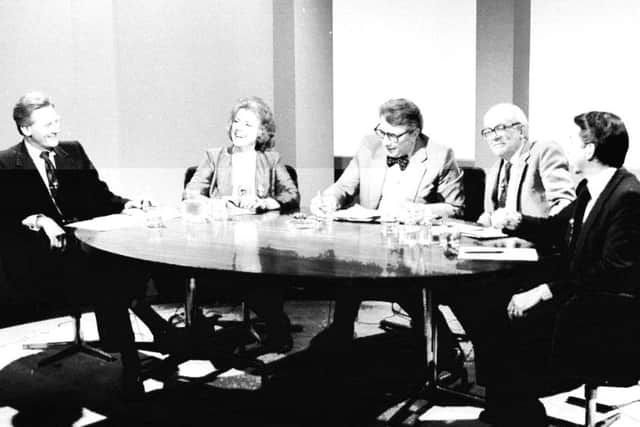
69, 348
596, 342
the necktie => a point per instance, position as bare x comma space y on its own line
504, 184
50, 170
402, 161
578, 214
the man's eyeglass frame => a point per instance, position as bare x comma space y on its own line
488, 132
390, 136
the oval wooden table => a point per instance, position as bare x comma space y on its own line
278, 245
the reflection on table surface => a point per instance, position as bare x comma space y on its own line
278, 244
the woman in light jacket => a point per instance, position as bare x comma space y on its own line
249, 174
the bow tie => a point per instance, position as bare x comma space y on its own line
402, 161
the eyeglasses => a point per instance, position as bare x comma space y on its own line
390, 136
489, 132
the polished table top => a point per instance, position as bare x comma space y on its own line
271, 244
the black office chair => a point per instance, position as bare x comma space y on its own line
473, 181
597, 342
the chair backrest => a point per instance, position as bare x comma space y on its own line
188, 174
293, 174
473, 181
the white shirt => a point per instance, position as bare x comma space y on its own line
243, 172
596, 184
34, 153
511, 203
397, 188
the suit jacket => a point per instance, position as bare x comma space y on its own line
82, 195
540, 183
606, 255
437, 177
213, 177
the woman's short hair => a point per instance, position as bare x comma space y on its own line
401, 112
265, 139
26, 105
607, 133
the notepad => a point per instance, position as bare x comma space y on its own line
479, 232
498, 254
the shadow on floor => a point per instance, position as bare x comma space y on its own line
307, 388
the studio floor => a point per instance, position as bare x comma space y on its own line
303, 388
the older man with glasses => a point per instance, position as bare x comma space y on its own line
531, 177
395, 168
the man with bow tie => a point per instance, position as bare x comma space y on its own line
397, 165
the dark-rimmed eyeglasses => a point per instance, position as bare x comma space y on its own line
390, 136
489, 132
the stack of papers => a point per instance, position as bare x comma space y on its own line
494, 253
479, 232
356, 213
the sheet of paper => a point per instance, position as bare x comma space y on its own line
451, 413
557, 406
109, 222
498, 254
479, 232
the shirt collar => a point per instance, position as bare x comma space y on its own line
597, 182
516, 155
34, 152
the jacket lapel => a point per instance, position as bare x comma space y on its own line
223, 172
376, 175
597, 209
421, 164
263, 172
518, 171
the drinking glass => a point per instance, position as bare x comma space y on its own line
195, 209
450, 236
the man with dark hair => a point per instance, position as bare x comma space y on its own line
599, 235
47, 183
396, 167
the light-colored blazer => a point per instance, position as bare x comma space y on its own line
438, 179
540, 184
213, 177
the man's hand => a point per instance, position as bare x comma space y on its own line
56, 234
323, 205
132, 207
524, 301
503, 218
266, 204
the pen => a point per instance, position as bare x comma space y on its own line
484, 252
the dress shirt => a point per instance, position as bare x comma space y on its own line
396, 189
596, 184
34, 153
243, 172
511, 203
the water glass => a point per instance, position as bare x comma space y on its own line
450, 236
153, 217
195, 209
219, 210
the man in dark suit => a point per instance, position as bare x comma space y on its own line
46, 184
598, 233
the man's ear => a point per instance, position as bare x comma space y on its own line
26, 130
